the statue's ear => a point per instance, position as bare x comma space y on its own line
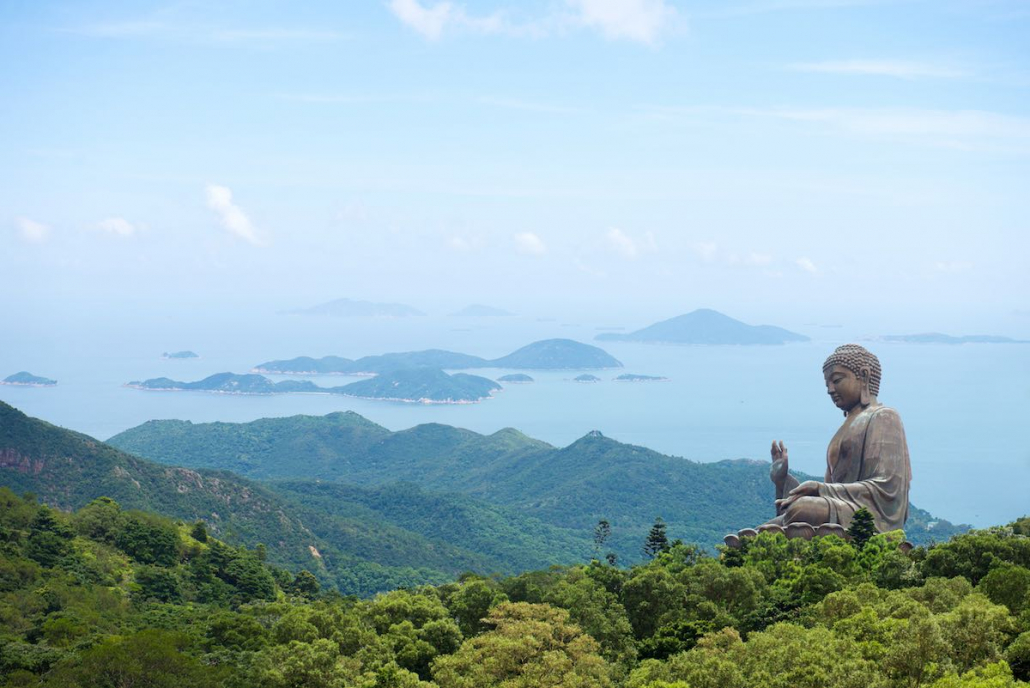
867, 398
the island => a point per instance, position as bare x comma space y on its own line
938, 338
586, 378
707, 327
516, 379
422, 386
179, 355
629, 377
557, 354
25, 379
228, 383
418, 385
478, 310
346, 308
548, 354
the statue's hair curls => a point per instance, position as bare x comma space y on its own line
855, 358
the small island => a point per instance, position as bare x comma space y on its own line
26, 379
706, 327
419, 385
938, 338
629, 377
516, 379
557, 354
548, 354
422, 386
586, 378
346, 308
179, 355
227, 383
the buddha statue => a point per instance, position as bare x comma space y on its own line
867, 462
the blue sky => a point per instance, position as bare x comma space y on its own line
781, 160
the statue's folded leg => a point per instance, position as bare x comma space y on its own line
813, 510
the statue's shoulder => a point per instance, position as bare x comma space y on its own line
884, 415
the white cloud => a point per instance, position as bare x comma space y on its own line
433, 20
643, 21
529, 244
963, 129
806, 264
627, 246
118, 226
901, 69
706, 250
32, 231
234, 220
753, 259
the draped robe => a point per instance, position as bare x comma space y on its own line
871, 469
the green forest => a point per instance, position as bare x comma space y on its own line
111, 597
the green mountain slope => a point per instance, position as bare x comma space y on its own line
362, 540
593, 478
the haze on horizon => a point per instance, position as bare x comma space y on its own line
784, 162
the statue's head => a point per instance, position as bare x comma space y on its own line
852, 375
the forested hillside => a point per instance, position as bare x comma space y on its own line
360, 541
108, 597
572, 488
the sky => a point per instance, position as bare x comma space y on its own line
784, 161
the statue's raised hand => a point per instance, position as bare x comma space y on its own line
780, 465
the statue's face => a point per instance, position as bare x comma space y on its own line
843, 386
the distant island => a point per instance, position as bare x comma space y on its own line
179, 354
227, 383
548, 354
421, 385
424, 386
25, 379
938, 338
346, 308
478, 310
586, 378
516, 379
707, 327
629, 377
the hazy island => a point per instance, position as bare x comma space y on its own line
478, 310
516, 379
630, 377
179, 354
26, 379
586, 378
346, 308
422, 385
548, 354
707, 327
227, 383
938, 338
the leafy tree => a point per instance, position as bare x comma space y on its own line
602, 531
471, 602
1007, 585
305, 584
862, 528
148, 539
199, 531
1018, 656
151, 658
530, 646
657, 542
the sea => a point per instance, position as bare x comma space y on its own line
964, 407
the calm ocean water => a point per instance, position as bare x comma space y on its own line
964, 407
